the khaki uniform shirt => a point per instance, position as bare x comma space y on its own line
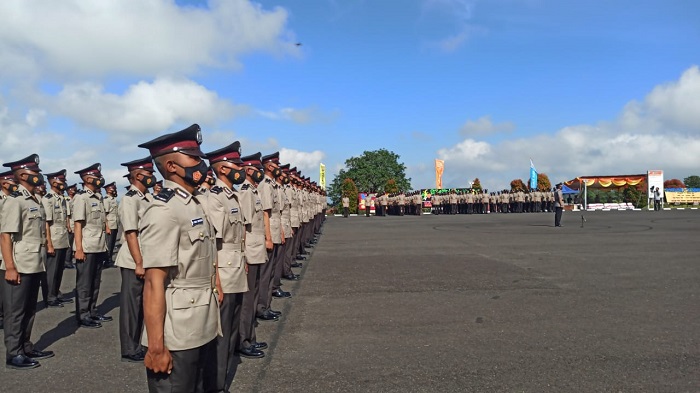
295, 208
112, 211
346, 202
88, 207
3, 197
251, 206
23, 217
286, 200
268, 190
131, 209
56, 210
175, 233
226, 216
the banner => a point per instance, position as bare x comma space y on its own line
361, 201
655, 179
439, 169
533, 176
685, 196
322, 177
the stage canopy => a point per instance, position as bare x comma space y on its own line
606, 181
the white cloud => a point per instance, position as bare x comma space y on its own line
660, 132
459, 13
79, 38
144, 107
484, 126
18, 134
308, 162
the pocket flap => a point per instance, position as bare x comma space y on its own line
188, 298
200, 233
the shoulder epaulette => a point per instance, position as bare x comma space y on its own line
268, 180
131, 193
16, 194
48, 196
165, 195
81, 191
245, 187
216, 190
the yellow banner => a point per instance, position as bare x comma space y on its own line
439, 169
322, 177
684, 197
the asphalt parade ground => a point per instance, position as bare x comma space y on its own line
463, 303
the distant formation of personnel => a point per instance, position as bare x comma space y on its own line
201, 257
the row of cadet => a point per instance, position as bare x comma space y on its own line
200, 262
533, 201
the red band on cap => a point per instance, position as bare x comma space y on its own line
147, 166
179, 145
230, 156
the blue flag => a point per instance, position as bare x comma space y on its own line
533, 175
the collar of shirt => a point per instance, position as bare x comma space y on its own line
138, 192
179, 191
227, 190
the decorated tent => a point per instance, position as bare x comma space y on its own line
638, 181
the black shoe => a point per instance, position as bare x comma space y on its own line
291, 277
301, 257
21, 362
38, 355
273, 312
297, 264
2, 324
138, 358
268, 316
251, 353
55, 304
65, 300
259, 346
101, 318
89, 323
69, 266
281, 294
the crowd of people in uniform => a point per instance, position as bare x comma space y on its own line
201, 257
482, 202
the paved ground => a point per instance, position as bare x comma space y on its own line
497, 303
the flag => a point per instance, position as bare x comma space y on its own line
533, 175
322, 176
439, 168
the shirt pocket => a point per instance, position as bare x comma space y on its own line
190, 311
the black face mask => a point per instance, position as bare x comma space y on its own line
276, 172
148, 181
285, 181
13, 187
211, 181
236, 176
195, 175
35, 180
98, 182
257, 176
60, 186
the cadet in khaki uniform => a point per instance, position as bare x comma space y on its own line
7, 187
130, 260
23, 246
227, 218
287, 196
181, 311
90, 246
56, 210
112, 214
256, 255
71, 191
346, 206
268, 190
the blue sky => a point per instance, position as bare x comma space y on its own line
581, 87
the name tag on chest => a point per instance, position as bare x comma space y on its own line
234, 210
197, 221
94, 204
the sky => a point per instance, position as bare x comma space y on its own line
581, 88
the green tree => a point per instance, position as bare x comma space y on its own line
349, 189
517, 185
692, 181
370, 172
543, 182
